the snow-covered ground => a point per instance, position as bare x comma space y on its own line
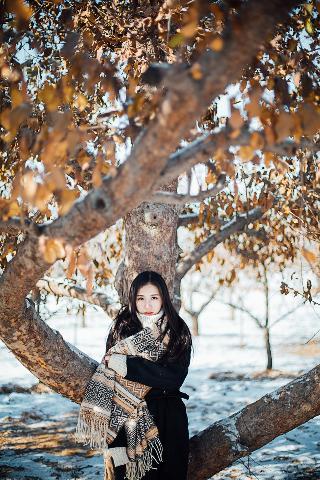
36, 429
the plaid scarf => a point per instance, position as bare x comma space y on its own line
112, 402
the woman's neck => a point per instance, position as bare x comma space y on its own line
149, 319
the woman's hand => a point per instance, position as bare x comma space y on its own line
106, 359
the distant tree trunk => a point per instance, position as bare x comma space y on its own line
195, 325
232, 313
241, 343
268, 348
267, 316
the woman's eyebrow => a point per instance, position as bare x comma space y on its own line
151, 295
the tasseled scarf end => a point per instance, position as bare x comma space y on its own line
136, 470
92, 430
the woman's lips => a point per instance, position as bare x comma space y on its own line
148, 313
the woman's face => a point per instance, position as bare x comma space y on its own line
148, 300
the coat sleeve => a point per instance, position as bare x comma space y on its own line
158, 375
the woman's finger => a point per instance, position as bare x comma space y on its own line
106, 358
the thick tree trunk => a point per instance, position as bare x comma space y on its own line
151, 244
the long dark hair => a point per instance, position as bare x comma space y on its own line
127, 323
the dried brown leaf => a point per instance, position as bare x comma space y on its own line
311, 257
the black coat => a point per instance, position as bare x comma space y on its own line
165, 404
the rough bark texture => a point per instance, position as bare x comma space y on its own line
151, 244
39, 348
45, 353
222, 443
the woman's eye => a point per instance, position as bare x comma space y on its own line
152, 298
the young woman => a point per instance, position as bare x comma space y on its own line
149, 302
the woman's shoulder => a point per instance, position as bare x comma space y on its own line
182, 359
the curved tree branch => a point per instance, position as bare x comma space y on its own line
60, 289
188, 219
204, 147
213, 240
206, 303
45, 353
244, 310
286, 314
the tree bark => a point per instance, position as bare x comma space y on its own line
151, 244
45, 353
204, 147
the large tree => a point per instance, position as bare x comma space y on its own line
96, 100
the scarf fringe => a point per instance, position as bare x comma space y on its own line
136, 470
92, 431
